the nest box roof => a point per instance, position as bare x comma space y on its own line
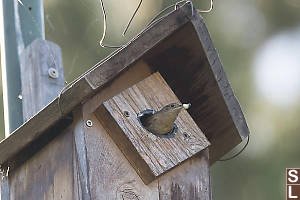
180, 49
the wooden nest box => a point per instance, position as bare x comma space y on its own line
100, 150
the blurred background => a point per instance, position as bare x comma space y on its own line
259, 45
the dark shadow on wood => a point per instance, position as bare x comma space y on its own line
38, 144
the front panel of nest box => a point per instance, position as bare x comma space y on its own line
149, 154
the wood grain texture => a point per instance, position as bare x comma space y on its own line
80, 162
190, 181
138, 72
37, 145
38, 88
227, 141
48, 174
110, 174
89, 83
192, 68
164, 45
5, 193
150, 155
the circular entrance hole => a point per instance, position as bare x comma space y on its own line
142, 116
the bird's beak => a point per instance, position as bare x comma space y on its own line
186, 105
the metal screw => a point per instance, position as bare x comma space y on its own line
126, 114
185, 135
89, 123
53, 73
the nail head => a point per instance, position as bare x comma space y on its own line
52, 72
89, 123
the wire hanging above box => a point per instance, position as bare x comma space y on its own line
154, 19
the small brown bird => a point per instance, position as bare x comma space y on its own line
162, 121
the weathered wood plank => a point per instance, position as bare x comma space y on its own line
42, 76
239, 125
80, 163
138, 72
87, 84
42, 80
150, 155
48, 174
110, 174
4, 188
165, 41
38, 144
190, 180
192, 68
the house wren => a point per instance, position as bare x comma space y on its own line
162, 121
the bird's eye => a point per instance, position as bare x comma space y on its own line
172, 106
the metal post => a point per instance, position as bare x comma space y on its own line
20, 25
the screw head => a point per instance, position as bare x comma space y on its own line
53, 73
126, 113
89, 123
185, 135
